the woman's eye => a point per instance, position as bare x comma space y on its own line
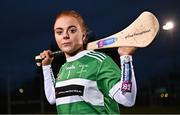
59, 32
73, 30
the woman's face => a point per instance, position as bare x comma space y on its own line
69, 35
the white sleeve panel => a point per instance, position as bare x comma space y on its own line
117, 92
49, 82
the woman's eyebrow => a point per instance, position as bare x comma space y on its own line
72, 26
60, 28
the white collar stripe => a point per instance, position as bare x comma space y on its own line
99, 53
95, 57
77, 56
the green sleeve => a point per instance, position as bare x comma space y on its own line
108, 75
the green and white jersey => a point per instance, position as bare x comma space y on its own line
83, 84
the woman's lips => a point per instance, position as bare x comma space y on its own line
66, 44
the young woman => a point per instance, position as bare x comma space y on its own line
89, 82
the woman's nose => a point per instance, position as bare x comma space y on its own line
65, 35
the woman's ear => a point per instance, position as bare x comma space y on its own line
84, 39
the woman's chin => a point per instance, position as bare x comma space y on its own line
71, 51
67, 50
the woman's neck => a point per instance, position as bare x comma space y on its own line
68, 55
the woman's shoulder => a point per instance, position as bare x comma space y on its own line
101, 56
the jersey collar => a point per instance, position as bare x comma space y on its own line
78, 55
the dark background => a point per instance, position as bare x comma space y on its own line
25, 30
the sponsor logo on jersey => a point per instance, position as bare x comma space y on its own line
70, 67
69, 90
126, 86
